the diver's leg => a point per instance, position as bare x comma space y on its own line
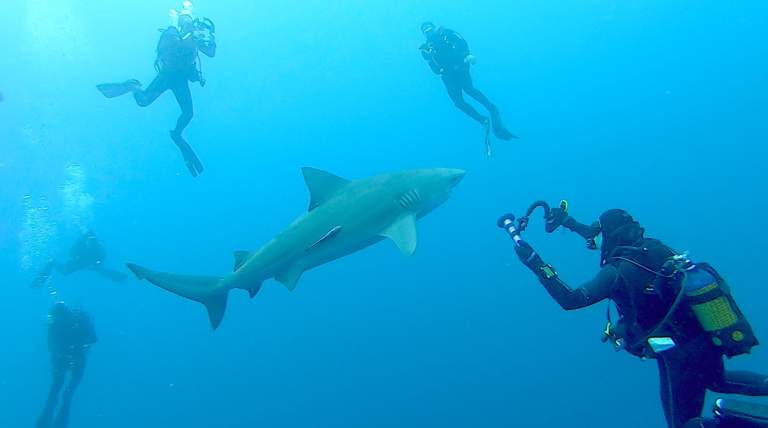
59, 375
469, 87
683, 387
498, 126
110, 274
155, 89
741, 382
76, 376
184, 98
453, 85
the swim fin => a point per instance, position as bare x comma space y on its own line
499, 130
112, 90
44, 275
193, 163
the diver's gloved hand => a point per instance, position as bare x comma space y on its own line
202, 36
559, 217
529, 257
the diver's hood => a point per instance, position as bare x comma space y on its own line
59, 312
618, 228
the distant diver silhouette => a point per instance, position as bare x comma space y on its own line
86, 254
70, 335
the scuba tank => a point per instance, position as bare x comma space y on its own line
704, 294
709, 297
702, 291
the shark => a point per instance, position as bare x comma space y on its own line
344, 216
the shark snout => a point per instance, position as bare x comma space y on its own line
456, 175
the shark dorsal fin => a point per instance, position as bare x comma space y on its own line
322, 185
403, 233
240, 258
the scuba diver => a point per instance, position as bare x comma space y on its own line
86, 254
70, 335
448, 55
177, 64
674, 310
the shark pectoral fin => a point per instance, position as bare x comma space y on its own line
290, 277
240, 258
322, 185
403, 233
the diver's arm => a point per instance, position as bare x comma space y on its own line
427, 52
584, 230
598, 289
89, 331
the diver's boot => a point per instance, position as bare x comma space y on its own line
193, 163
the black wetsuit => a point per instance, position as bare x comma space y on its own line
69, 338
446, 52
176, 65
687, 370
87, 254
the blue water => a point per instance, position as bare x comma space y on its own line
654, 106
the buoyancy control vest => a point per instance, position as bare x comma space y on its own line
664, 295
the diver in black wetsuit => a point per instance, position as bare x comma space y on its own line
86, 254
70, 335
448, 55
177, 64
671, 309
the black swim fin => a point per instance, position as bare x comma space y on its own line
193, 163
44, 275
499, 130
112, 90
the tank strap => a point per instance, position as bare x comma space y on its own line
678, 274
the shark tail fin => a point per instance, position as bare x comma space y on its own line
204, 289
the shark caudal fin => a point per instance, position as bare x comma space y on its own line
203, 289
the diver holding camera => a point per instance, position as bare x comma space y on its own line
670, 309
177, 64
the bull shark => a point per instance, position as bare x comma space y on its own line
344, 217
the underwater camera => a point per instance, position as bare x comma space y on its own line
207, 27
